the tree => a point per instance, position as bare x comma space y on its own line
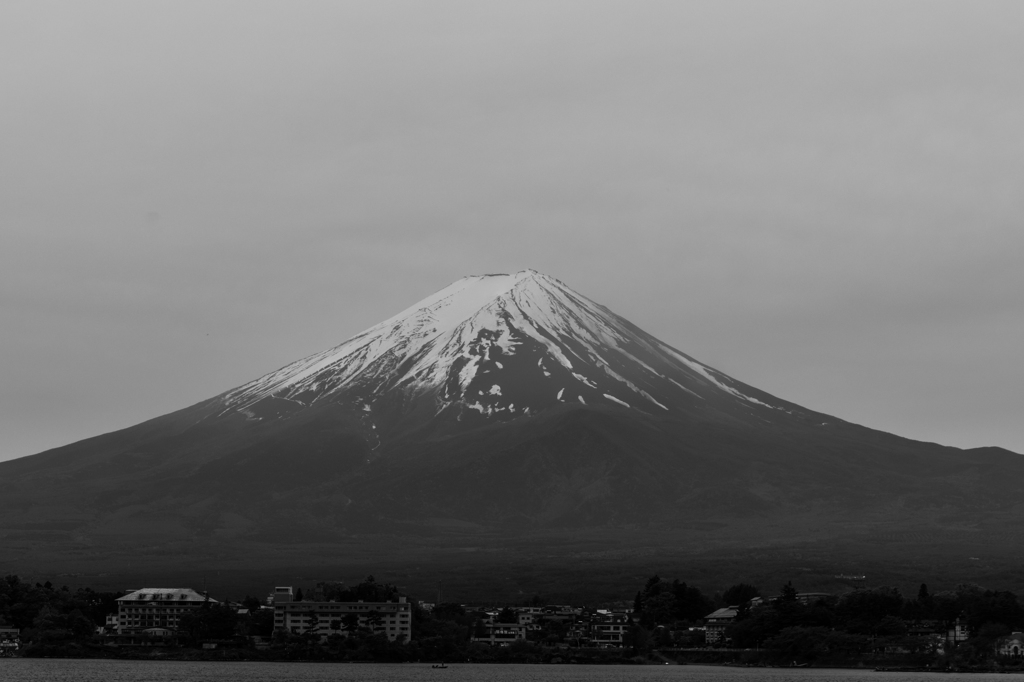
652, 583
740, 594
261, 622
862, 611
350, 623
891, 626
373, 620
209, 621
80, 625
789, 593
691, 604
333, 591
507, 615
992, 607
448, 611
314, 625
659, 609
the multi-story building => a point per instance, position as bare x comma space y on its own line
499, 634
609, 630
156, 611
717, 622
325, 618
560, 612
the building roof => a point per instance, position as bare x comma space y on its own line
179, 594
727, 612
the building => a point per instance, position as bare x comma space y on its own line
560, 612
156, 611
609, 629
1011, 645
957, 633
499, 634
805, 598
717, 622
325, 618
10, 640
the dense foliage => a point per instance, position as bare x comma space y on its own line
369, 590
879, 620
661, 603
48, 614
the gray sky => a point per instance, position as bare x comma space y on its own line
822, 199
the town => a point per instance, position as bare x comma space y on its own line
665, 622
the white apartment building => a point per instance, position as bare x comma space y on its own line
156, 610
326, 618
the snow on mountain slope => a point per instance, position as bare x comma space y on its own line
502, 345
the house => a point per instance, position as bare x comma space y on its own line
10, 640
578, 635
957, 633
609, 629
1011, 645
324, 618
716, 623
151, 616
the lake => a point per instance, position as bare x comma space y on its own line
70, 670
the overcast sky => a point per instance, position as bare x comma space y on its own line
822, 199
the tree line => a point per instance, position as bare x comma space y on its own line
859, 622
666, 615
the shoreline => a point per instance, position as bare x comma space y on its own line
559, 658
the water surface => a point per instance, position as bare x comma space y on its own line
70, 670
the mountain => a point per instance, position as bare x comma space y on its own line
504, 413
496, 348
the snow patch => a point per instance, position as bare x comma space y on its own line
616, 400
705, 372
584, 379
685, 388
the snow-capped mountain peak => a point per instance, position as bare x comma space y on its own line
505, 345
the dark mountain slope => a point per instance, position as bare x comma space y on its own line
500, 409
